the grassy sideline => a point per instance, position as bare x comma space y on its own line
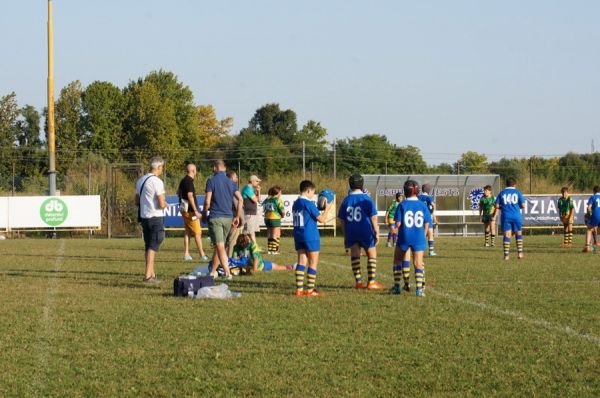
77, 321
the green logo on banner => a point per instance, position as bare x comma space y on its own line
54, 212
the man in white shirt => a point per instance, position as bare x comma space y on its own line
150, 197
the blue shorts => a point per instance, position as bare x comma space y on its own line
365, 244
415, 248
268, 266
512, 225
593, 222
309, 246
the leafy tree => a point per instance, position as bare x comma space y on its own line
579, 170
210, 129
369, 154
9, 113
28, 128
408, 160
442, 168
68, 113
471, 163
150, 124
182, 99
314, 136
102, 121
271, 121
259, 154
516, 168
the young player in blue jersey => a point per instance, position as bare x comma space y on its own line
593, 211
307, 239
429, 200
510, 201
358, 219
412, 220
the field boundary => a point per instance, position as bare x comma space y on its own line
490, 308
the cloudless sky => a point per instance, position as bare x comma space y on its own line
511, 77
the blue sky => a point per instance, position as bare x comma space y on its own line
503, 78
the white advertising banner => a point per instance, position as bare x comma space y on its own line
288, 202
4, 213
53, 212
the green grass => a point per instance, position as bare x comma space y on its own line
77, 321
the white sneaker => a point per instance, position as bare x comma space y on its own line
187, 258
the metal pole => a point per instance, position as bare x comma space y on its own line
51, 136
530, 175
334, 162
239, 173
13, 178
303, 160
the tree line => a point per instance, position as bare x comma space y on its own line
157, 115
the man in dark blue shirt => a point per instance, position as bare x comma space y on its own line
218, 211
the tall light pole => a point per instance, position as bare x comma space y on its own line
51, 136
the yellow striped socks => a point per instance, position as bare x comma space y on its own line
311, 276
372, 269
406, 271
300, 271
419, 277
355, 261
506, 244
397, 275
519, 239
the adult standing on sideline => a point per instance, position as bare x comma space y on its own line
251, 197
188, 207
234, 232
218, 210
150, 197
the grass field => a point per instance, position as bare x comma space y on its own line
78, 321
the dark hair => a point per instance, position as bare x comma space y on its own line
356, 181
398, 195
564, 189
426, 188
511, 182
230, 173
274, 190
243, 240
487, 188
596, 188
306, 185
411, 188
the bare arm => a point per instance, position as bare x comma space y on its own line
162, 202
192, 202
323, 216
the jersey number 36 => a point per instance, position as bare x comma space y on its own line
354, 214
413, 219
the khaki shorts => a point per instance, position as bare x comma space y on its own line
566, 220
252, 223
218, 228
191, 226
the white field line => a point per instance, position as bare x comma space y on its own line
495, 310
45, 332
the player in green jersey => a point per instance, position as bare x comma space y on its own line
274, 212
487, 215
566, 210
389, 216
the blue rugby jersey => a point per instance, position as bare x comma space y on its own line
356, 210
412, 214
305, 215
510, 200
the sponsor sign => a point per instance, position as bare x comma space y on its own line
21, 212
3, 213
542, 210
173, 218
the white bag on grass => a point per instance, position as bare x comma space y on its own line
216, 292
